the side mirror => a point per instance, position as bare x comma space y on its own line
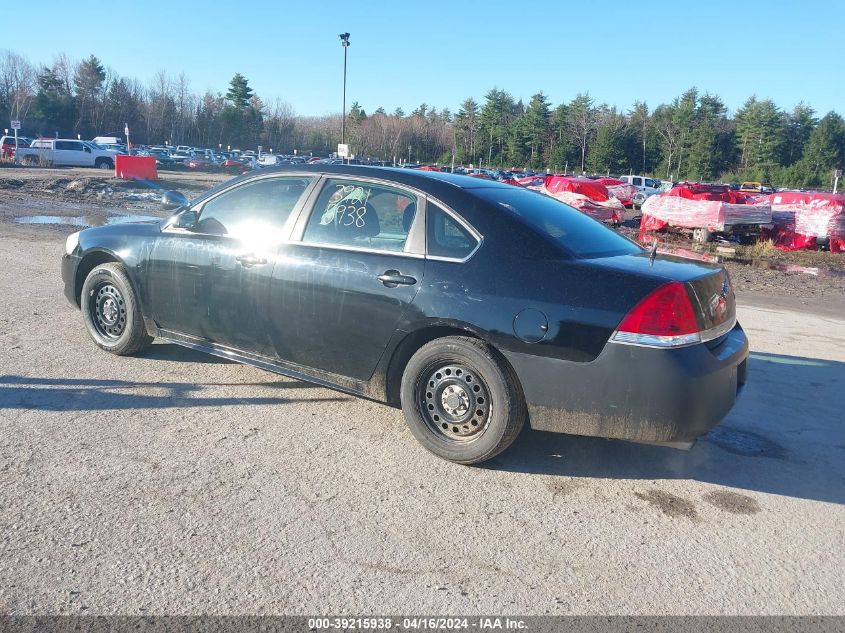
173, 200
186, 220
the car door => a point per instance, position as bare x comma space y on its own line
63, 153
76, 155
353, 267
210, 281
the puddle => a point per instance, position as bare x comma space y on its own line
745, 443
83, 220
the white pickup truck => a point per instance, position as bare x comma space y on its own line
646, 187
67, 153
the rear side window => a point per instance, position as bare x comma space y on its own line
576, 233
445, 237
638, 182
257, 209
362, 215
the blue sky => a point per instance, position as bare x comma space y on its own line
405, 53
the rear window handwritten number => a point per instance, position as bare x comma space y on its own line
349, 216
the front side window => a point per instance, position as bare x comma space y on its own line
254, 210
445, 237
362, 215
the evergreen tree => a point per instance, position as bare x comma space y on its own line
536, 128
760, 128
242, 115
467, 124
356, 114
239, 92
496, 117
824, 152
608, 150
562, 151
799, 125
53, 109
645, 147
88, 83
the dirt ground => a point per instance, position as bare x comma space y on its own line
71, 192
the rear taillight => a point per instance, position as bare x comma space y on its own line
665, 318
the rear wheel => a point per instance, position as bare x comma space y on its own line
461, 400
111, 312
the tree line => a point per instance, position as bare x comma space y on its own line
694, 137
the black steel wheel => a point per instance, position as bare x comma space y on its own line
111, 312
454, 401
462, 400
108, 310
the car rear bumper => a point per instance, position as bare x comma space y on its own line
636, 393
70, 263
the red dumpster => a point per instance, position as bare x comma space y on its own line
135, 167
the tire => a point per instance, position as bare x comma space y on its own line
702, 235
638, 200
111, 312
103, 163
461, 400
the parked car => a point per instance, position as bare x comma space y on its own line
472, 305
646, 187
272, 160
67, 152
108, 140
179, 157
7, 145
163, 159
756, 187
199, 162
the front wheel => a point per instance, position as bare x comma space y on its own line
461, 400
111, 312
702, 235
103, 163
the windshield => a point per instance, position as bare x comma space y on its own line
578, 234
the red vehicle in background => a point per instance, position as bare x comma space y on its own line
7, 145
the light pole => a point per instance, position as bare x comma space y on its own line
344, 42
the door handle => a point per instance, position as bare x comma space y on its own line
251, 260
393, 278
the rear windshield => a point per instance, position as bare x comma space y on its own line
576, 233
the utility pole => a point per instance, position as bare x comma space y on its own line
344, 42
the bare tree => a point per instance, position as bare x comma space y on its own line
17, 84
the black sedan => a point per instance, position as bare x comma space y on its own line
472, 305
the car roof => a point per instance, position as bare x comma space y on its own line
426, 180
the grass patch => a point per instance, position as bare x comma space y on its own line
761, 248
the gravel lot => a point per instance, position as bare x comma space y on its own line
177, 483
